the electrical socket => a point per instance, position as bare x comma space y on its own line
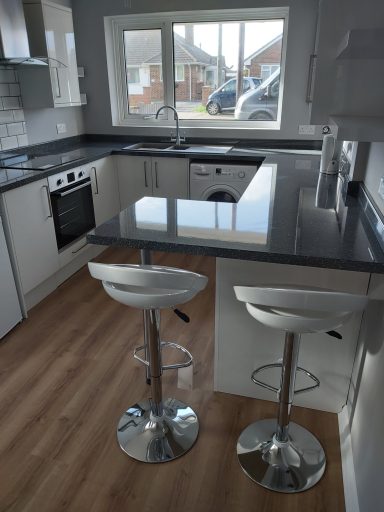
61, 127
307, 129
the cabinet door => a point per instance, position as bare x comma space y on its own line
134, 177
170, 177
105, 189
60, 41
30, 220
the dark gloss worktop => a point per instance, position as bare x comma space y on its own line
276, 220
93, 150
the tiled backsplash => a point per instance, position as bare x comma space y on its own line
12, 125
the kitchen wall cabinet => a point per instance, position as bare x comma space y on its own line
105, 189
29, 217
50, 34
350, 58
141, 176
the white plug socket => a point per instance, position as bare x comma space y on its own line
61, 127
307, 129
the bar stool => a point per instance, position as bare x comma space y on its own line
287, 457
153, 430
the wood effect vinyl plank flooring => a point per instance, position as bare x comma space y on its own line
67, 374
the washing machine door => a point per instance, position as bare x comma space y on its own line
221, 194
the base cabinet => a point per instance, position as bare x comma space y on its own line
105, 189
29, 217
140, 176
243, 344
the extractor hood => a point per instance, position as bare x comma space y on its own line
14, 46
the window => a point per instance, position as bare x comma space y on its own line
133, 75
193, 61
143, 62
179, 73
267, 70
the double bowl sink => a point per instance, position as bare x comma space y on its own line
188, 148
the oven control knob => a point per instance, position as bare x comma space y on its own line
81, 174
59, 182
241, 174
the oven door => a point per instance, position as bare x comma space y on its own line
73, 212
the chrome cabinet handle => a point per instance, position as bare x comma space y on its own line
156, 176
311, 76
96, 182
145, 174
58, 91
49, 202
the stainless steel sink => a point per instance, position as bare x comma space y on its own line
168, 147
147, 146
199, 148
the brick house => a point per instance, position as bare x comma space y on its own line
263, 62
193, 69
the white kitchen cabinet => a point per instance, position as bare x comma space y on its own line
50, 34
29, 217
170, 177
105, 189
141, 176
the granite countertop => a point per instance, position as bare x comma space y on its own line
285, 216
92, 150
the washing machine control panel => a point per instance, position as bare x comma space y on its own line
235, 172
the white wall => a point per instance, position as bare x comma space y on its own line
90, 40
366, 410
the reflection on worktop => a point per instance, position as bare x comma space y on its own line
278, 219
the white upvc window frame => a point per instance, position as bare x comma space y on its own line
114, 28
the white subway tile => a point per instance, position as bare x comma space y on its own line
7, 76
9, 142
15, 129
14, 90
18, 115
23, 140
3, 130
11, 102
4, 89
6, 116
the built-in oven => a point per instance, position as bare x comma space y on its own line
72, 205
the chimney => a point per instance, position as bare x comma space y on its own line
189, 37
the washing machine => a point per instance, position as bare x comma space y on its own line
219, 181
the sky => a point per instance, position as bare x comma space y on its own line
257, 34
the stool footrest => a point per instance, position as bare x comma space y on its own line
166, 344
277, 390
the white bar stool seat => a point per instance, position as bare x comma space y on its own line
153, 430
286, 457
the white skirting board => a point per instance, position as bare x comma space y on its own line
348, 467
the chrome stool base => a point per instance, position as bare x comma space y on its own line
157, 439
288, 467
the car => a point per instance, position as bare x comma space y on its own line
260, 104
224, 98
